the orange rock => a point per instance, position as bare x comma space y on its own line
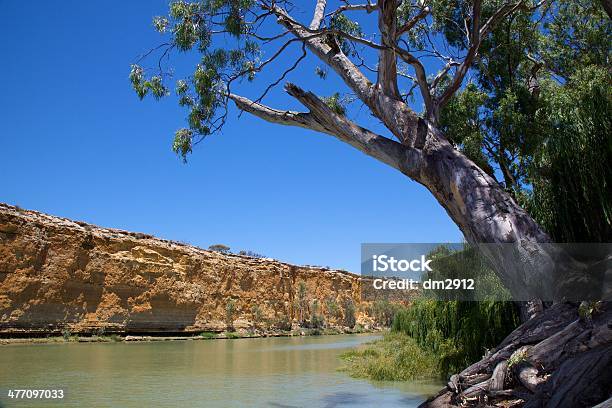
56, 274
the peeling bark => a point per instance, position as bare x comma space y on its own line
387, 63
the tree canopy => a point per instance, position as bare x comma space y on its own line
522, 88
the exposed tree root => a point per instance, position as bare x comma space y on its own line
557, 359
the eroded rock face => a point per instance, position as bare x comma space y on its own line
57, 274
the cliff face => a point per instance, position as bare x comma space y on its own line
57, 274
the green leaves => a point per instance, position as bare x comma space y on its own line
182, 143
160, 23
342, 23
463, 122
190, 25
143, 86
335, 103
577, 34
571, 175
136, 78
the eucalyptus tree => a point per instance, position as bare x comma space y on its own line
459, 87
380, 69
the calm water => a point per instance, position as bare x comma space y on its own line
269, 372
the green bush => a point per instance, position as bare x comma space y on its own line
349, 313
384, 311
230, 309
66, 334
317, 321
333, 310
282, 323
458, 333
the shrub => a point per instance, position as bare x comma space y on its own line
257, 315
333, 310
230, 308
316, 320
349, 313
301, 301
232, 335
224, 249
384, 311
458, 333
252, 254
208, 335
66, 334
282, 323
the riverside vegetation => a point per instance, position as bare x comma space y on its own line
433, 338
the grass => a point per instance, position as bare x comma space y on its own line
232, 335
208, 335
395, 357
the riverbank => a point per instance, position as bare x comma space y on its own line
226, 335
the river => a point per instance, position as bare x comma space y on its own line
266, 372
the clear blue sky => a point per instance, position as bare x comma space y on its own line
76, 142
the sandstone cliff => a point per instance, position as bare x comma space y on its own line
58, 274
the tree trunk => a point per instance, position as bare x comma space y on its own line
487, 214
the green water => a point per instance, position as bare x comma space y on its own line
267, 372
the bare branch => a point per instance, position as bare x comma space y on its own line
394, 113
318, 15
500, 14
421, 77
442, 74
290, 118
322, 119
282, 77
351, 75
368, 8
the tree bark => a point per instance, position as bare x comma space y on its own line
486, 213
387, 63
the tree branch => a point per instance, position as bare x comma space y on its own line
368, 8
394, 113
319, 13
351, 75
421, 77
289, 118
387, 59
322, 119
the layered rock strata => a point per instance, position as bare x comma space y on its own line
58, 275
